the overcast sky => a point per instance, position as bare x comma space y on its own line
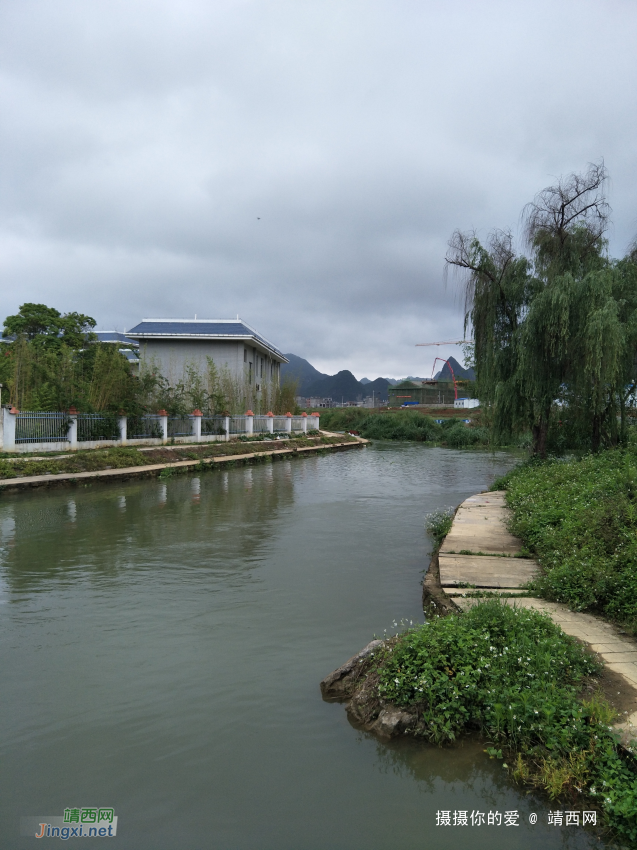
302, 164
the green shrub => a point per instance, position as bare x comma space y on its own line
512, 674
507, 671
404, 425
579, 518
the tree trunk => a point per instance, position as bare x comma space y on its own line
540, 434
596, 437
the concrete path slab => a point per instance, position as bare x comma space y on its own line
485, 571
480, 525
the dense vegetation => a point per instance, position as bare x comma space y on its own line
579, 518
558, 323
54, 361
512, 674
403, 425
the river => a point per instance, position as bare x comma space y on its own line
162, 644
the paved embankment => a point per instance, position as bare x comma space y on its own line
490, 562
53, 479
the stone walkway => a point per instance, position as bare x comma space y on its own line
55, 478
479, 552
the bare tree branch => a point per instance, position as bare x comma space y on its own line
576, 200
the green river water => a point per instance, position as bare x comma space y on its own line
162, 644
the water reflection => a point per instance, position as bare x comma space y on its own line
150, 525
463, 778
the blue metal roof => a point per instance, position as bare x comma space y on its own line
114, 336
200, 329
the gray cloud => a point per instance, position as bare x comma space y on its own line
301, 164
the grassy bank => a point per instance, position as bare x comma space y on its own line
122, 457
578, 517
514, 676
406, 425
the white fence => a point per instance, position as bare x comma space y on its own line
42, 431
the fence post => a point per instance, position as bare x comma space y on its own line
123, 428
288, 422
196, 425
8, 421
304, 420
226, 425
73, 429
249, 422
315, 424
163, 419
270, 416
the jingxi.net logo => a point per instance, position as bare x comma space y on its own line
88, 822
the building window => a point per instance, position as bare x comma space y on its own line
250, 372
245, 355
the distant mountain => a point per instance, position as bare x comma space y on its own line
445, 373
377, 388
342, 386
302, 371
345, 387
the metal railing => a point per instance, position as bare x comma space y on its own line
211, 425
180, 426
39, 426
261, 424
237, 424
84, 428
97, 426
144, 428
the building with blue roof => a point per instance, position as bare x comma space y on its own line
173, 344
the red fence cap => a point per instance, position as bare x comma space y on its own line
14, 410
249, 413
314, 414
72, 409
196, 412
162, 413
269, 413
289, 414
304, 414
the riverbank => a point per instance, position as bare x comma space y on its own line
123, 463
449, 428
563, 726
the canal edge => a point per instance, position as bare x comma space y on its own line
8, 485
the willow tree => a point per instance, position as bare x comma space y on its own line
550, 326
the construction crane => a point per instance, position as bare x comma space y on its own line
453, 377
448, 342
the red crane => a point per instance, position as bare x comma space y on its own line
453, 377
